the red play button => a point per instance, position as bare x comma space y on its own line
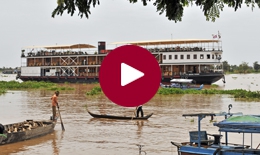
130, 76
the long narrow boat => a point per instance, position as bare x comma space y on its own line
120, 117
25, 130
200, 144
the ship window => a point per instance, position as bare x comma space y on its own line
212, 56
164, 57
175, 56
48, 60
201, 56
195, 56
188, 56
182, 57
208, 56
170, 57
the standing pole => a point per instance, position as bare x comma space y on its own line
62, 126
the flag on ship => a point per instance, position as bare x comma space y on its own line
216, 36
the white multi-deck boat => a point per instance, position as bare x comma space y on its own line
197, 59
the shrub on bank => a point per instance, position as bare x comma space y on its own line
2, 91
237, 93
96, 90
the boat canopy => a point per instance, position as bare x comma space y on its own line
169, 42
212, 114
181, 80
244, 124
73, 46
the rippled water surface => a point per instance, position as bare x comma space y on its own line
86, 135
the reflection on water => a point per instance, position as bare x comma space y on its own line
86, 135
140, 125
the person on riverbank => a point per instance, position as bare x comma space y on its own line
139, 109
54, 103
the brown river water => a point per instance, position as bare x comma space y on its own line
85, 135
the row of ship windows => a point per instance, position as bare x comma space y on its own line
188, 56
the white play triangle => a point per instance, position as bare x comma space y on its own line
129, 74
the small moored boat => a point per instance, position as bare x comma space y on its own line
200, 144
11, 133
120, 117
183, 84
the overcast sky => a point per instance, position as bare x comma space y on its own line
29, 23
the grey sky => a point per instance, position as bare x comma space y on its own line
29, 22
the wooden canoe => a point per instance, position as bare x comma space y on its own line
26, 130
120, 117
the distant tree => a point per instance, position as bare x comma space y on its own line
233, 68
256, 66
173, 8
243, 67
226, 66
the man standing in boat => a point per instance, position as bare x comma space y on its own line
139, 109
54, 103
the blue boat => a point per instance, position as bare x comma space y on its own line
183, 84
200, 144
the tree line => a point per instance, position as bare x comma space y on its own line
244, 67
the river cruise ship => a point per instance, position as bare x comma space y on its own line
197, 59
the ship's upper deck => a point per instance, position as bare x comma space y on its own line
72, 46
177, 45
170, 42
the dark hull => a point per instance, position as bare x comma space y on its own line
120, 117
199, 78
202, 78
48, 127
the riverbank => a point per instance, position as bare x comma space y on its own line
236, 93
15, 85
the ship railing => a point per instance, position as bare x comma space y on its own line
179, 49
33, 53
63, 64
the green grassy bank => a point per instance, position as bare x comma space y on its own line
236, 93
14, 85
